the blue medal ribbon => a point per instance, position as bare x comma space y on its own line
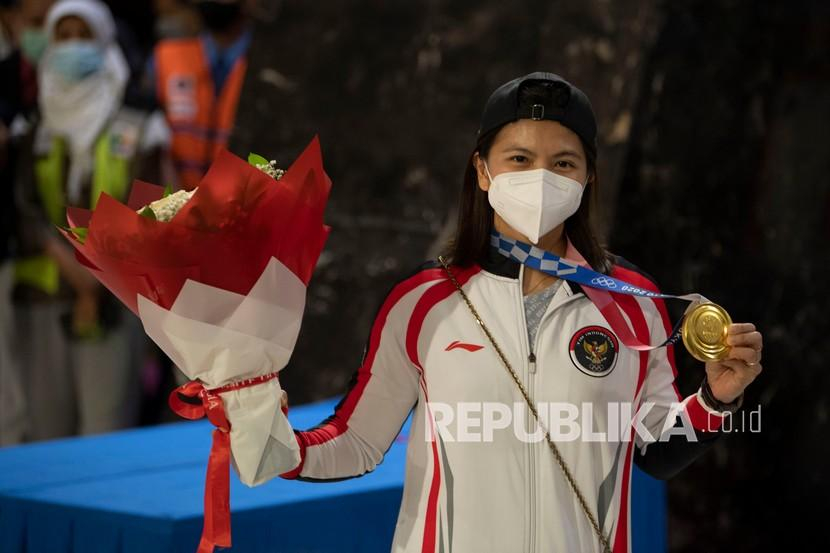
552, 264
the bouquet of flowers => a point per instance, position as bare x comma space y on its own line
218, 278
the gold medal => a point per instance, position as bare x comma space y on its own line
704, 332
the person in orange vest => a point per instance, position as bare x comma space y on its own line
197, 82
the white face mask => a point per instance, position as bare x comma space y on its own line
534, 202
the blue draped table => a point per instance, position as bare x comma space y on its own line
142, 490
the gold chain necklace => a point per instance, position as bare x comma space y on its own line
554, 449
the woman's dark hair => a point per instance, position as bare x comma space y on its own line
475, 215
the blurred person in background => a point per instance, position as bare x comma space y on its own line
134, 24
175, 19
75, 342
197, 81
20, 48
31, 20
17, 99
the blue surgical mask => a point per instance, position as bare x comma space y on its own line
75, 60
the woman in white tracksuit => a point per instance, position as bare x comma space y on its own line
476, 479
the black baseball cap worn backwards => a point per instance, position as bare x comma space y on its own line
565, 104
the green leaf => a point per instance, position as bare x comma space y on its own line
79, 232
167, 190
255, 159
147, 212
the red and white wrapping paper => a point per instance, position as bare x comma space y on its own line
221, 289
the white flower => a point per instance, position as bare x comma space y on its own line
270, 169
167, 207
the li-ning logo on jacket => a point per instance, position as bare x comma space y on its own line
455, 344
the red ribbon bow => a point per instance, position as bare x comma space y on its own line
194, 401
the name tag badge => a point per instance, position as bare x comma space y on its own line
124, 139
181, 97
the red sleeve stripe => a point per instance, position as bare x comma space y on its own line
338, 423
639, 280
700, 418
664, 314
430, 299
635, 314
428, 540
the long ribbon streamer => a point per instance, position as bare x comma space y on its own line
193, 401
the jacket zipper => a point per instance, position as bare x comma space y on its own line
530, 370
531, 378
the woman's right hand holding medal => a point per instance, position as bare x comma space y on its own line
729, 377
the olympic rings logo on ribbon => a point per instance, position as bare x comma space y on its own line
604, 281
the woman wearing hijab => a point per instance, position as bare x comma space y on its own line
73, 339
524, 383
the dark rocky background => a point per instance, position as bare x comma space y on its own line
714, 119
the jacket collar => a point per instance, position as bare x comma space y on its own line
497, 264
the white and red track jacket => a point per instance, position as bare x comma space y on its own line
504, 494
